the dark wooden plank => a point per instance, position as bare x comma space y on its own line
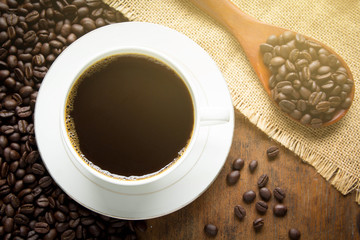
314, 206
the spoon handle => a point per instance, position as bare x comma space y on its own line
248, 30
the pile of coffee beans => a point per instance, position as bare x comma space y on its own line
261, 206
308, 82
32, 34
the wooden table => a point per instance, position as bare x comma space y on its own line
316, 208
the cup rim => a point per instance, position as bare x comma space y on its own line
90, 171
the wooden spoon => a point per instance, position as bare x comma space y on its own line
250, 33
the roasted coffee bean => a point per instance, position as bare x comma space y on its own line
280, 210
233, 177
29, 178
7, 129
41, 227
88, 24
272, 152
27, 209
21, 219
94, 230
238, 164
51, 235
8, 224
38, 169
258, 224
265, 194
261, 207
73, 223
211, 230
249, 196
253, 165
263, 180
42, 202
287, 106
32, 157
23, 112
68, 235
59, 216
240, 212
294, 234
9, 211
279, 194
45, 182
61, 226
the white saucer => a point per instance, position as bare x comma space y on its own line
216, 139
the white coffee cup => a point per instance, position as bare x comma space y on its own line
203, 116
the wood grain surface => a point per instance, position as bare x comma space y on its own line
316, 208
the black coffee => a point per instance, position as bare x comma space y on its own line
131, 115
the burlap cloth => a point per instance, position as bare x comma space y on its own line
335, 150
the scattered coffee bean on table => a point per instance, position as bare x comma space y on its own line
279, 194
261, 207
263, 180
253, 165
280, 210
233, 177
249, 196
211, 230
265, 194
238, 164
294, 234
258, 224
272, 152
240, 212
307, 82
32, 34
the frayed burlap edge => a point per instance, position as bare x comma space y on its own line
337, 177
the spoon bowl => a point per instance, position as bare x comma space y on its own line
250, 33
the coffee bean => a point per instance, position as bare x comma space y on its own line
21, 219
265, 193
211, 230
240, 212
88, 24
32, 16
272, 152
262, 181
41, 227
23, 112
8, 224
261, 207
32, 157
45, 182
68, 235
51, 235
253, 165
294, 234
233, 177
27, 208
249, 196
59, 216
258, 224
287, 106
29, 178
280, 210
279, 194
238, 164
